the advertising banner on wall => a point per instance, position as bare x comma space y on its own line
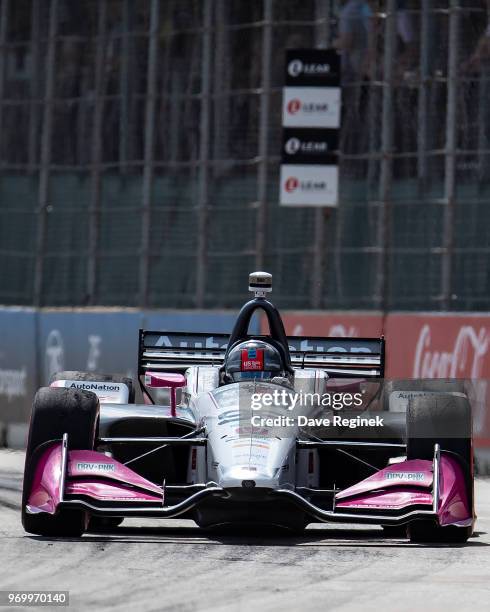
312, 107
301, 146
312, 68
338, 324
311, 120
317, 185
18, 363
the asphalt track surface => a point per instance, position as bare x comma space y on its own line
173, 565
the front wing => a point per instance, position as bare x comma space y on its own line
400, 493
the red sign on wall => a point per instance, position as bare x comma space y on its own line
419, 346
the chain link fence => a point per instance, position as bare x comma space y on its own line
140, 145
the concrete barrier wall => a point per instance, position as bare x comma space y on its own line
18, 363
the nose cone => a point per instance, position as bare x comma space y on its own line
246, 477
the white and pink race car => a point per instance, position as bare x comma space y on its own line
246, 429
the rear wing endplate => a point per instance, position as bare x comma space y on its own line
339, 357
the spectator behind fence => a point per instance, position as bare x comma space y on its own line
407, 35
481, 54
353, 40
355, 43
475, 85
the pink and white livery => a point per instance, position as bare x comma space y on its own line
252, 430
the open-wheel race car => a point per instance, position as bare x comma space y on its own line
217, 449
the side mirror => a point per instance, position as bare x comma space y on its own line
169, 380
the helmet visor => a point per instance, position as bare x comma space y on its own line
263, 374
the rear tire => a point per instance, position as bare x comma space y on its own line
444, 419
427, 385
54, 413
97, 377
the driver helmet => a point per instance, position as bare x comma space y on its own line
253, 359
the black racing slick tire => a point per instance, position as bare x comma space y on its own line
444, 419
97, 377
421, 386
57, 411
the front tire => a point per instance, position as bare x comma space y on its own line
426, 532
101, 523
54, 413
444, 419
395, 531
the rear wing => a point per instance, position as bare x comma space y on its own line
339, 357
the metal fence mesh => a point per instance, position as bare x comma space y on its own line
140, 141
